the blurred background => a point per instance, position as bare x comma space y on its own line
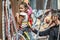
35, 4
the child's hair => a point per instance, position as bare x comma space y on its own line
23, 3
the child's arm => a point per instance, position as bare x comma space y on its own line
17, 18
30, 10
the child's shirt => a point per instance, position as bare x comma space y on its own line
25, 21
29, 15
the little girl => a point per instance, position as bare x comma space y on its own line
25, 8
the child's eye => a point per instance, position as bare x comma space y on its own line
20, 8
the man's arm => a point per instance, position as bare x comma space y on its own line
43, 33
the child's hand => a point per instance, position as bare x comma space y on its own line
17, 14
48, 10
26, 1
17, 18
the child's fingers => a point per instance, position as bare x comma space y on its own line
17, 14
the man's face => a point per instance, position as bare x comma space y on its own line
47, 18
54, 18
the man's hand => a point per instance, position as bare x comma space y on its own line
47, 10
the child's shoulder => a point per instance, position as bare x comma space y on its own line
21, 13
17, 13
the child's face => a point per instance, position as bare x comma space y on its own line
21, 8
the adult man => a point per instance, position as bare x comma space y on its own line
53, 30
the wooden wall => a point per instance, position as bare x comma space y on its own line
14, 3
40, 4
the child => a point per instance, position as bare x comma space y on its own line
23, 16
53, 30
23, 7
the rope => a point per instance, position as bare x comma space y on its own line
11, 15
3, 27
21, 35
8, 15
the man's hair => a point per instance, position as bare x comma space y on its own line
56, 13
59, 16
